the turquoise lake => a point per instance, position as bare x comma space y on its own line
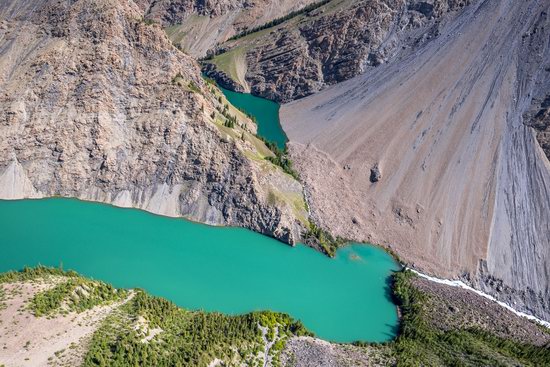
266, 113
224, 269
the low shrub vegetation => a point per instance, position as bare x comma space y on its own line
193, 87
318, 237
2, 298
147, 21
29, 274
281, 158
188, 338
421, 344
75, 294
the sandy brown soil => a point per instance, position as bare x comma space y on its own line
464, 184
26, 340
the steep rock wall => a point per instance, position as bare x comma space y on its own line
97, 104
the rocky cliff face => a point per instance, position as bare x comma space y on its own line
540, 122
171, 12
331, 44
462, 189
537, 115
97, 104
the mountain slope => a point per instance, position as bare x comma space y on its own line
430, 153
97, 104
329, 44
197, 26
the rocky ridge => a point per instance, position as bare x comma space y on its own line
97, 104
330, 44
540, 122
197, 26
537, 115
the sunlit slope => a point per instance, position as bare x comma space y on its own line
465, 187
198, 27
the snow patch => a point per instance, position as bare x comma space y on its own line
458, 283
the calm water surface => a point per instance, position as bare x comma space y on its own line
266, 113
230, 270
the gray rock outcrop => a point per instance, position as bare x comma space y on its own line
97, 104
375, 174
222, 78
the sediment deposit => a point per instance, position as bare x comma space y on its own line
463, 181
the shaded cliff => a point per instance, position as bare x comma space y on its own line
461, 186
97, 104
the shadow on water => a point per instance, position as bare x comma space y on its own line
393, 331
388, 288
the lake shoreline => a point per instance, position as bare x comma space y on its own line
102, 242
